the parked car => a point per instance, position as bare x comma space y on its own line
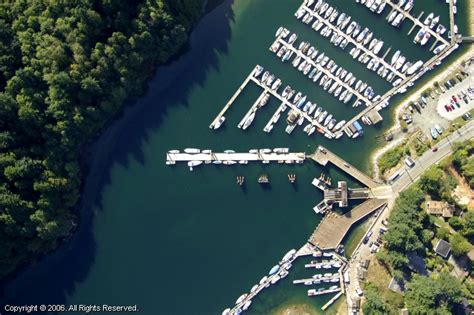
434, 149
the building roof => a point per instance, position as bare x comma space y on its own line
439, 208
442, 248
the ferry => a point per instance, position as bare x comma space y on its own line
191, 151
219, 123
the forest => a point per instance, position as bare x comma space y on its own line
66, 68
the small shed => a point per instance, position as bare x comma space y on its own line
442, 248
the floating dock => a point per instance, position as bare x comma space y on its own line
235, 157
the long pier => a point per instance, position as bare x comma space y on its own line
323, 156
210, 157
353, 41
333, 228
325, 71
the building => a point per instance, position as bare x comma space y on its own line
442, 248
440, 208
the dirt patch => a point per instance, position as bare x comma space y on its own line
462, 192
296, 309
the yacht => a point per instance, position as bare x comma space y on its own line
408, 6
328, 12
412, 69
307, 69
425, 39
281, 52
286, 90
397, 82
348, 77
378, 47
328, 83
219, 123
419, 36
327, 120
356, 53
368, 38
323, 8
440, 29
362, 35
314, 54
317, 112
191, 151
292, 39
338, 91
333, 87
428, 19
316, 77
434, 22
270, 80
356, 31
249, 120
397, 20
343, 95
312, 108
241, 298
381, 7
322, 116
247, 305
438, 49
406, 66
395, 57
392, 16
299, 14
287, 55
276, 84
257, 71
339, 125
296, 61
313, 72
373, 42
351, 27
340, 19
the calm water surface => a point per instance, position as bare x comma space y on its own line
175, 242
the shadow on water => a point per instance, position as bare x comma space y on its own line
60, 272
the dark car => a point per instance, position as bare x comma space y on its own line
434, 149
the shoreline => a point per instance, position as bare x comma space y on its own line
375, 155
380, 150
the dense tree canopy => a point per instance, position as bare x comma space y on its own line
463, 160
65, 69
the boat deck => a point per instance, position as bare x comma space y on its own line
333, 228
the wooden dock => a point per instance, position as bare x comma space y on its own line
260, 156
323, 156
333, 228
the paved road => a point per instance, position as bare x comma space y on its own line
429, 157
410, 175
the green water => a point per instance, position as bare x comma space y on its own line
175, 242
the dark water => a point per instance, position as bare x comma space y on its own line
175, 242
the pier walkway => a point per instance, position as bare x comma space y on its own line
323, 156
332, 229
260, 156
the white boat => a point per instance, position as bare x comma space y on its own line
322, 116
434, 22
299, 14
381, 7
339, 125
257, 71
296, 61
311, 108
249, 120
351, 27
311, 130
412, 69
263, 280
373, 42
340, 19
276, 85
265, 76
343, 95
378, 47
275, 279
408, 6
400, 62
397, 82
392, 16
317, 112
246, 305
274, 270
323, 8
331, 124
395, 57
191, 164
229, 162
191, 150
292, 39
440, 29
241, 298
226, 311
338, 91
368, 38
438, 49
266, 151
428, 19
348, 97
397, 20
406, 66
425, 39
254, 288
217, 162
173, 151
313, 72
219, 123
317, 76
327, 120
